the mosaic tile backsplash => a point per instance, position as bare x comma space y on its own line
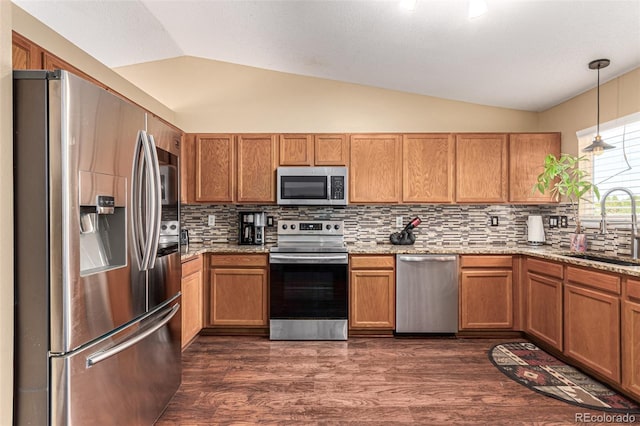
442, 225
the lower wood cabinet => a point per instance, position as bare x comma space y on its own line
543, 294
192, 300
631, 338
238, 290
372, 290
592, 320
486, 293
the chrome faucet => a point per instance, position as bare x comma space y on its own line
635, 237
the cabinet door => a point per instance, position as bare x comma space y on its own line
331, 150
191, 306
256, 169
238, 297
375, 172
25, 55
544, 309
481, 168
631, 348
372, 299
527, 152
486, 299
427, 168
592, 329
214, 168
296, 150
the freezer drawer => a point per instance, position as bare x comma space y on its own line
126, 379
426, 294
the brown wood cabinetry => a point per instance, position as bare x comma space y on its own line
256, 169
372, 289
214, 171
592, 320
543, 294
375, 168
227, 168
25, 55
192, 300
238, 290
527, 152
481, 168
296, 150
631, 338
331, 150
486, 292
428, 162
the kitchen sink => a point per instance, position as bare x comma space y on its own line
603, 259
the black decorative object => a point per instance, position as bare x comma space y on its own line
405, 237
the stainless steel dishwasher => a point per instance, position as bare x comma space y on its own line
426, 293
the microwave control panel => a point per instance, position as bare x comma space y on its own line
337, 187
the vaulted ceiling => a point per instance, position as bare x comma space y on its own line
522, 54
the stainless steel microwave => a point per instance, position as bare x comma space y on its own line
312, 186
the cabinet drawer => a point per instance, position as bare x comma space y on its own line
239, 260
192, 266
543, 267
485, 262
633, 289
591, 278
372, 262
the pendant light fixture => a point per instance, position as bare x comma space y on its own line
598, 145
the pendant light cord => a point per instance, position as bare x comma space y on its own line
598, 113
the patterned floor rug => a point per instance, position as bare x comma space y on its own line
531, 366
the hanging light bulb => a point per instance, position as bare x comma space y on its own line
598, 145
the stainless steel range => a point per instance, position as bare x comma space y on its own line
308, 297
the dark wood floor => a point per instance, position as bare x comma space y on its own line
363, 380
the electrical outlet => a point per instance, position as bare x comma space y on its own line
553, 221
494, 221
269, 221
212, 220
564, 222
399, 221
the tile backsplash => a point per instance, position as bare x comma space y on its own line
442, 225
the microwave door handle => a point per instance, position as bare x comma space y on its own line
156, 201
137, 228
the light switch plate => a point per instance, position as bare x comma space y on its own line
494, 221
399, 221
212, 220
554, 221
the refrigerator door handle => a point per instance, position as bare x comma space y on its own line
156, 201
100, 356
138, 231
150, 211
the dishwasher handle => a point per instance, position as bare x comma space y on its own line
427, 258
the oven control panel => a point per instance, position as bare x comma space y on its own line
310, 227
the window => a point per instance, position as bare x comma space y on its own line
618, 167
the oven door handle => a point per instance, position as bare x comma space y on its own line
296, 258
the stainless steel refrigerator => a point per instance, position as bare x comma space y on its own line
97, 325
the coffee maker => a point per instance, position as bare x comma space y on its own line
251, 228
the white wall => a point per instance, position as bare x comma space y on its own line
6, 217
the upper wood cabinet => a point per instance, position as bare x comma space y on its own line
331, 150
256, 167
296, 150
527, 152
428, 162
313, 150
25, 54
481, 168
375, 168
214, 157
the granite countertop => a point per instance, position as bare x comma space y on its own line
544, 252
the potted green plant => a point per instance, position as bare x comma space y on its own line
563, 177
